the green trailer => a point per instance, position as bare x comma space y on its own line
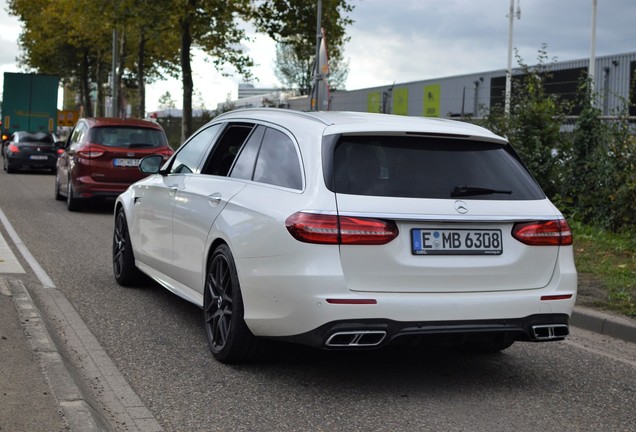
29, 102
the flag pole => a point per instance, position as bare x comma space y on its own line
315, 93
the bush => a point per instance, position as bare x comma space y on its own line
589, 173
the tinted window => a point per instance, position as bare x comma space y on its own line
189, 156
226, 149
38, 137
430, 168
244, 165
278, 162
129, 137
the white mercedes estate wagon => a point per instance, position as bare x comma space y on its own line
345, 230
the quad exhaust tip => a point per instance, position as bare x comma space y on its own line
550, 332
362, 338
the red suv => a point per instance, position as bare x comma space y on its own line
101, 155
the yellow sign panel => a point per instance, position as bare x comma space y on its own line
432, 95
67, 117
401, 101
374, 102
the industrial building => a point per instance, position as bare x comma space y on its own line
472, 95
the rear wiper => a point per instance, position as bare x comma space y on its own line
465, 190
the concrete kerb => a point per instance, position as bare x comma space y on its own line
68, 371
603, 323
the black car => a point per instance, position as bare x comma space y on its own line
30, 150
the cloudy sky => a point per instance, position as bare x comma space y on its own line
409, 40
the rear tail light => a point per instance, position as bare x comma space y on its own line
89, 153
555, 232
332, 229
13, 148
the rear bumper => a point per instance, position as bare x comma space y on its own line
87, 187
373, 333
24, 162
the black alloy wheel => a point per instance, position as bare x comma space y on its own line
228, 337
124, 269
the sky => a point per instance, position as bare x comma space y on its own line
399, 41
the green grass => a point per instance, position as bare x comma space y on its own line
610, 260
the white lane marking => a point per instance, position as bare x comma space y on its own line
8, 261
44, 278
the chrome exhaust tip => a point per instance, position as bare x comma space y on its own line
362, 338
550, 332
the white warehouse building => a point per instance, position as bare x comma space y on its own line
474, 94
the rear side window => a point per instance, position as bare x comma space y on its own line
428, 167
277, 161
129, 137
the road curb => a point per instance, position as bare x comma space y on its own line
604, 323
81, 369
79, 414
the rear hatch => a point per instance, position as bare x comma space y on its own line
38, 147
114, 152
455, 203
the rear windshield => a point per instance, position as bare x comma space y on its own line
38, 137
130, 137
425, 167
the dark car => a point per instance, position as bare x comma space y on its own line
30, 150
101, 155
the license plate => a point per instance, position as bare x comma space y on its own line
436, 241
123, 162
38, 157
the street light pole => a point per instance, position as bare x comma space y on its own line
590, 72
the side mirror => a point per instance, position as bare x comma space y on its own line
151, 164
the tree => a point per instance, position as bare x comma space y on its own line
75, 53
214, 26
166, 101
297, 73
292, 23
534, 124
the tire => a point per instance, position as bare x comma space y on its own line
7, 166
58, 196
124, 269
229, 339
72, 204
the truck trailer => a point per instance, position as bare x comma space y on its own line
29, 102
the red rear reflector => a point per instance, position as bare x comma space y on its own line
352, 301
543, 233
332, 229
557, 297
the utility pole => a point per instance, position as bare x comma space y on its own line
511, 16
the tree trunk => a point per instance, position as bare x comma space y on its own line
140, 75
186, 74
121, 99
86, 89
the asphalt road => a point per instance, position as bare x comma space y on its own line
156, 340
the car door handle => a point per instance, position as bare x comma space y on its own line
173, 191
215, 197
